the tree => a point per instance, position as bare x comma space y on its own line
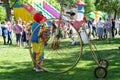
9, 4
90, 7
109, 6
54, 3
2, 14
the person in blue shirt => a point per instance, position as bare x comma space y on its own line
4, 28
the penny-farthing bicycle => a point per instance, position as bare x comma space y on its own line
64, 47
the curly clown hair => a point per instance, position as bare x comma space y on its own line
38, 17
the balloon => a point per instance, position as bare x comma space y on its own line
104, 15
91, 15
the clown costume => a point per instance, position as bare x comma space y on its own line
40, 34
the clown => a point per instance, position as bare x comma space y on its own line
38, 39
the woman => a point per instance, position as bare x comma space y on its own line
18, 30
100, 25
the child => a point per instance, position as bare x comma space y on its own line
28, 32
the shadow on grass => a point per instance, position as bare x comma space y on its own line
29, 74
111, 55
82, 73
23, 70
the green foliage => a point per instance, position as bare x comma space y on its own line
2, 14
70, 3
11, 3
90, 7
54, 3
108, 6
14, 2
22, 2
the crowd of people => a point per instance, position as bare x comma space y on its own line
20, 28
99, 29
104, 29
6, 30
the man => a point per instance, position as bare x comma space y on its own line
38, 39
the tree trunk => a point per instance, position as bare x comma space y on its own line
8, 9
115, 13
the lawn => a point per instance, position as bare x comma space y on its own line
15, 63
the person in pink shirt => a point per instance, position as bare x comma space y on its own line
18, 30
9, 32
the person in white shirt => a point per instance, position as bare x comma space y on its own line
100, 25
117, 26
94, 33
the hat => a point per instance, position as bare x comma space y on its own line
40, 12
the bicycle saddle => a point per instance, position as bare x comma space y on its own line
71, 13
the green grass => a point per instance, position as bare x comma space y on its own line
15, 63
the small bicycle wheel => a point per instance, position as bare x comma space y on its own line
104, 63
100, 72
59, 52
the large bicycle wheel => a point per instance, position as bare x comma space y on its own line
63, 49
